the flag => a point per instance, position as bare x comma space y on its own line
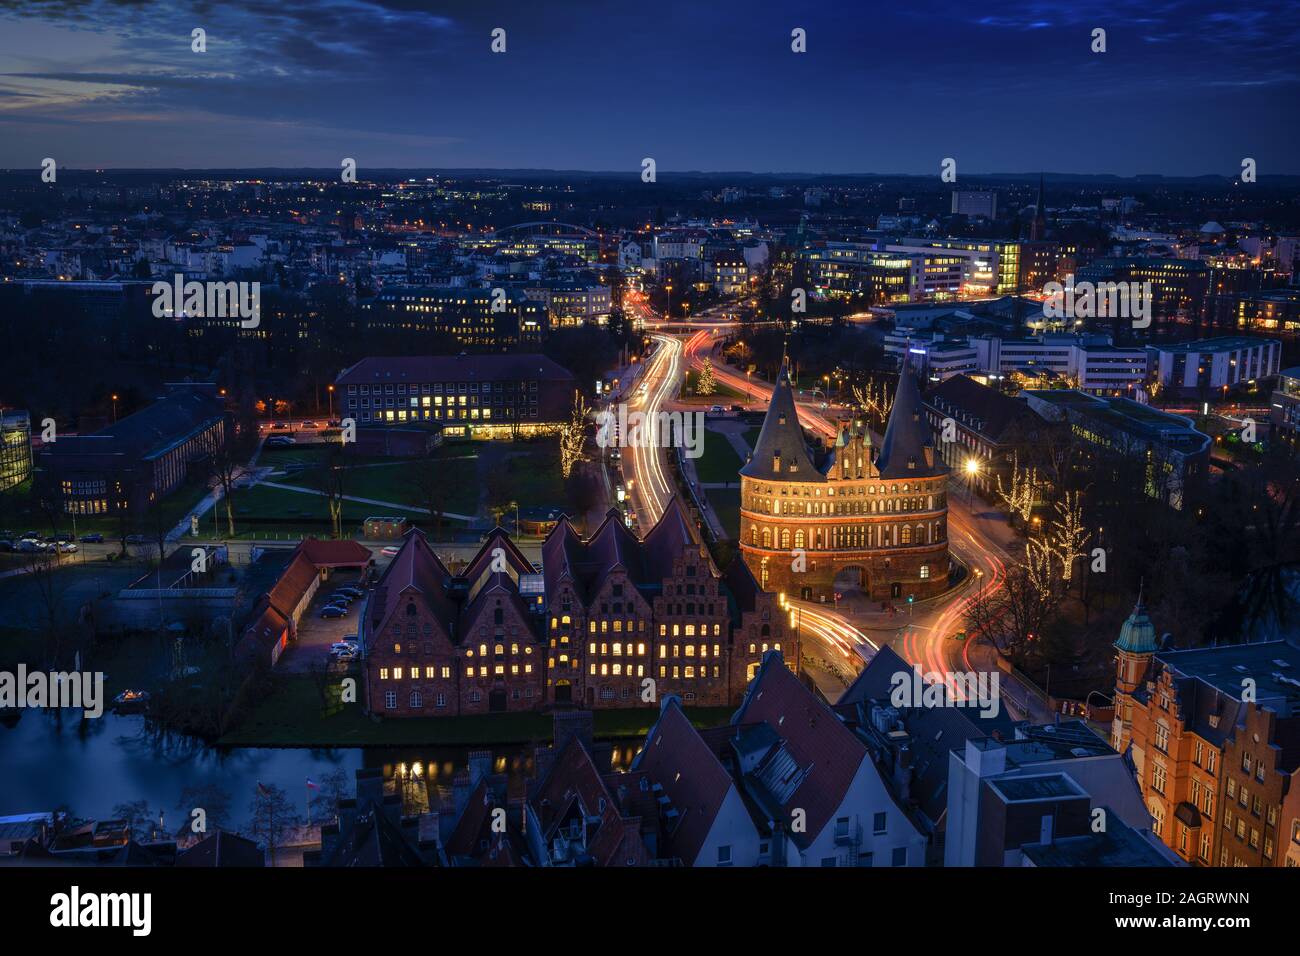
312, 784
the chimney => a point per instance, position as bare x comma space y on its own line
573, 723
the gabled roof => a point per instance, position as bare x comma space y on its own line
613, 546
415, 570
574, 786
222, 849
335, 554
676, 758
373, 840
907, 450
932, 731
781, 438
816, 755
293, 584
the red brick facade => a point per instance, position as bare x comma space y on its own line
620, 623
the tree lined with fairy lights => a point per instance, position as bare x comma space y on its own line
707, 384
1020, 492
573, 436
1067, 537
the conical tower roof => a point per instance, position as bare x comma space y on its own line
907, 450
1138, 635
781, 452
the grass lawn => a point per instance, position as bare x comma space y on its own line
722, 394
535, 479
387, 480
291, 717
726, 502
719, 463
22, 514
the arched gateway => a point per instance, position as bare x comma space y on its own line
880, 520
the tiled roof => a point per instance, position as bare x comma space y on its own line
907, 450
693, 779
823, 756
781, 440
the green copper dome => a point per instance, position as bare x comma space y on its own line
1138, 635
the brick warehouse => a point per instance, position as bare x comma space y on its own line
601, 616
875, 523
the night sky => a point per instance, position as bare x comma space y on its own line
1184, 89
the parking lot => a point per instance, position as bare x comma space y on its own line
316, 634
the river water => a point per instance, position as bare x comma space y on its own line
91, 766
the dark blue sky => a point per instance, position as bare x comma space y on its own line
1184, 89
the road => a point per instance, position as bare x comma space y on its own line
923, 633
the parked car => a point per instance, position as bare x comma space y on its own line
61, 536
343, 655
351, 590
6, 544
279, 426
390, 550
93, 538
135, 539
344, 646
715, 409
333, 610
310, 424
28, 546
341, 599
66, 547
279, 441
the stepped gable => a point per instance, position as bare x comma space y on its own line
415, 569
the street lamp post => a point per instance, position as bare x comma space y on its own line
330, 389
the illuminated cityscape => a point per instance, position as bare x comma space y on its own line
690, 439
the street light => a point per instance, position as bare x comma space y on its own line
330, 389
972, 469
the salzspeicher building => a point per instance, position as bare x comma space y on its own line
878, 522
605, 620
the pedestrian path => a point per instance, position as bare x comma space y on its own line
390, 505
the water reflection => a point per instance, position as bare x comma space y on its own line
50, 760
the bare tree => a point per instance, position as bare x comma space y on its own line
434, 483
273, 817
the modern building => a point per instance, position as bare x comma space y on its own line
132, 463
1208, 367
1271, 312
1178, 286
1168, 456
1213, 735
1285, 402
15, 447
495, 320
877, 522
1089, 362
1046, 788
467, 395
601, 617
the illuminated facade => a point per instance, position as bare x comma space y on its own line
878, 523
1216, 771
609, 621
472, 396
15, 448
475, 317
